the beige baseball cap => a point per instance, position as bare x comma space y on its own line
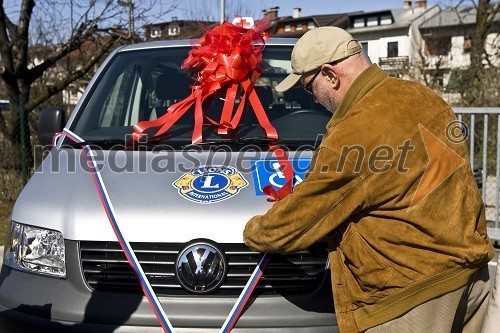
315, 48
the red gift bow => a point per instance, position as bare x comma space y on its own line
228, 55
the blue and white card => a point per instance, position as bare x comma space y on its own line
268, 171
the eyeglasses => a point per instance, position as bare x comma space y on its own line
308, 86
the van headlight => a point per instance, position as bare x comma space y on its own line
37, 250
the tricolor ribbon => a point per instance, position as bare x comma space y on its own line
124, 244
238, 307
227, 57
146, 287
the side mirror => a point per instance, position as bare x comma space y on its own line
51, 121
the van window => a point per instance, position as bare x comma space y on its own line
142, 84
122, 101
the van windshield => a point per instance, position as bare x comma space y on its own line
141, 84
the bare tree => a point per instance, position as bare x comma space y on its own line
479, 26
48, 45
482, 72
428, 66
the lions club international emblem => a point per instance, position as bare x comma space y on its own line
209, 184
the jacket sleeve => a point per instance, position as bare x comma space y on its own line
330, 193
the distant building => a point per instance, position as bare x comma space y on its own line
427, 44
447, 42
391, 37
70, 96
297, 25
176, 29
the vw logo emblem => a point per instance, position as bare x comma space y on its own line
200, 268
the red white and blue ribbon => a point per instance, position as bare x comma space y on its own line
124, 244
238, 307
228, 56
148, 291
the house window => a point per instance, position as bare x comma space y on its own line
299, 26
288, 27
392, 49
385, 19
155, 33
467, 44
372, 21
359, 22
364, 45
310, 25
438, 81
174, 29
438, 45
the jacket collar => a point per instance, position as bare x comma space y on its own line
366, 81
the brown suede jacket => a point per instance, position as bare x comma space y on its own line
392, 188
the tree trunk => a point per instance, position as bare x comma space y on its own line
474, 93
3, 125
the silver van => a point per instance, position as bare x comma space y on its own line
181, 206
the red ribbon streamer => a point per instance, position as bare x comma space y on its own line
227, 56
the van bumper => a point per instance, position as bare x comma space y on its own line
35, 303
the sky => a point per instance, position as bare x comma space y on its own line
312, 7
188, 9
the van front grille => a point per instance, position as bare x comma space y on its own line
105, 268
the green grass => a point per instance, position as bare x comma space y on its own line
5, 211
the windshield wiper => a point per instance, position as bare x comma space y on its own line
248, 141
118, 144
105, 143
258, 141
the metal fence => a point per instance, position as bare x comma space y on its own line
18, 140
482, 127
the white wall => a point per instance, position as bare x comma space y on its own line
409, 39
493, 48
377, 43
457, 56
416, 41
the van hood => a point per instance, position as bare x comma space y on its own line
157, 196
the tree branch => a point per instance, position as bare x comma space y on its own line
494, 11
20, 42
3, 125
73, 44
25, 17
86, 29
5, 44
11, 27
72, 77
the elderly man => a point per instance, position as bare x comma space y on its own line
393, 192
